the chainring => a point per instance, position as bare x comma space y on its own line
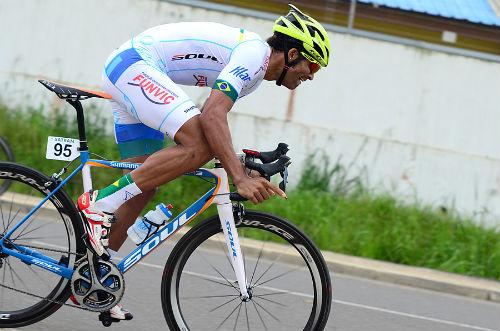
97, 285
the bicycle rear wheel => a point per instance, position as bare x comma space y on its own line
29, 293
288, 279
6, 155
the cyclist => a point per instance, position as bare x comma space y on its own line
142, 77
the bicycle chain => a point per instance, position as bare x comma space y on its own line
45, 299
53, 250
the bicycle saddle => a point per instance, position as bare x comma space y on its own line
72, 93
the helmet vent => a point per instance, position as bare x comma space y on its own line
318, 49
313, 30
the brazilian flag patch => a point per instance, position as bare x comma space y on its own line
225, 87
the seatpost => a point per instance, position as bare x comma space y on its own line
81, 123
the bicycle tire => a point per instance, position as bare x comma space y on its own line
64, 230
253, 221
6, 154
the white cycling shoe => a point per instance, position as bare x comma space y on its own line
120, 313
97, 223
115, 314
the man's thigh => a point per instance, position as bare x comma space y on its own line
146, 105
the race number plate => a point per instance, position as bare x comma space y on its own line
64, 149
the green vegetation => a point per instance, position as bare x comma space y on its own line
335, 209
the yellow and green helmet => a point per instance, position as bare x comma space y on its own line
310, 32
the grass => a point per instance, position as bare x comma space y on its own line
334, 208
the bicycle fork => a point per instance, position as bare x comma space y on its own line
225, 210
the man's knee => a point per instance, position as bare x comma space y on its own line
191, 137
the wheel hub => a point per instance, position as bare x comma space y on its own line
250, 294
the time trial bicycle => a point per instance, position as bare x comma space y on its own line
270, 275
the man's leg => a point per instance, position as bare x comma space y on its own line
190, 153
127, 213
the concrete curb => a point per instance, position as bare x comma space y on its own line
355, 266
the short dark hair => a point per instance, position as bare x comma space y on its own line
281, 42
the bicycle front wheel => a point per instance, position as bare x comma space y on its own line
29, 293
288, 280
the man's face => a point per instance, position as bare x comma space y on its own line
298, 74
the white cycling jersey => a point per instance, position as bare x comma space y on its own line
199, 53
142, 74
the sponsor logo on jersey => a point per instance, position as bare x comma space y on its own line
194, 56
200, 80
152, 90
189, 109
241, 73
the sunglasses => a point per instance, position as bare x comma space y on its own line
314, 67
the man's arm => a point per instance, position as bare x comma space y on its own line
216, 129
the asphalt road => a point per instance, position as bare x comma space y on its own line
358, 304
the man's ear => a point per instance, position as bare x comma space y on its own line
293, 54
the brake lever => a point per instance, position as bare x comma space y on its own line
269, 169
267, 157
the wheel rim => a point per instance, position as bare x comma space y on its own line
285, 294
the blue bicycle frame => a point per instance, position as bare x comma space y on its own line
218, 195
30, 256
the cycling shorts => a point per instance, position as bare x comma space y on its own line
146, 103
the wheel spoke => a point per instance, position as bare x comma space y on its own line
210, 296
237, 316
268, 268
267, 311
222, 305
3, 219
260, 316
246, 314
279, 276
17, 275
212, 280
22, 234
272, 301
220, 274
257, 262
224, 321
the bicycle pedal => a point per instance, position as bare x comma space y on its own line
106, 319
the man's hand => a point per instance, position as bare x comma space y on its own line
258, 189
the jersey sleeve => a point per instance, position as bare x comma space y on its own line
246, 62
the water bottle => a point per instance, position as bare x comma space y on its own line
149, 223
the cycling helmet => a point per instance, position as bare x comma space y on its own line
314, 38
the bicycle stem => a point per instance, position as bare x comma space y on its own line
225, 210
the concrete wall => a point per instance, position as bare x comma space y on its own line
421, 124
